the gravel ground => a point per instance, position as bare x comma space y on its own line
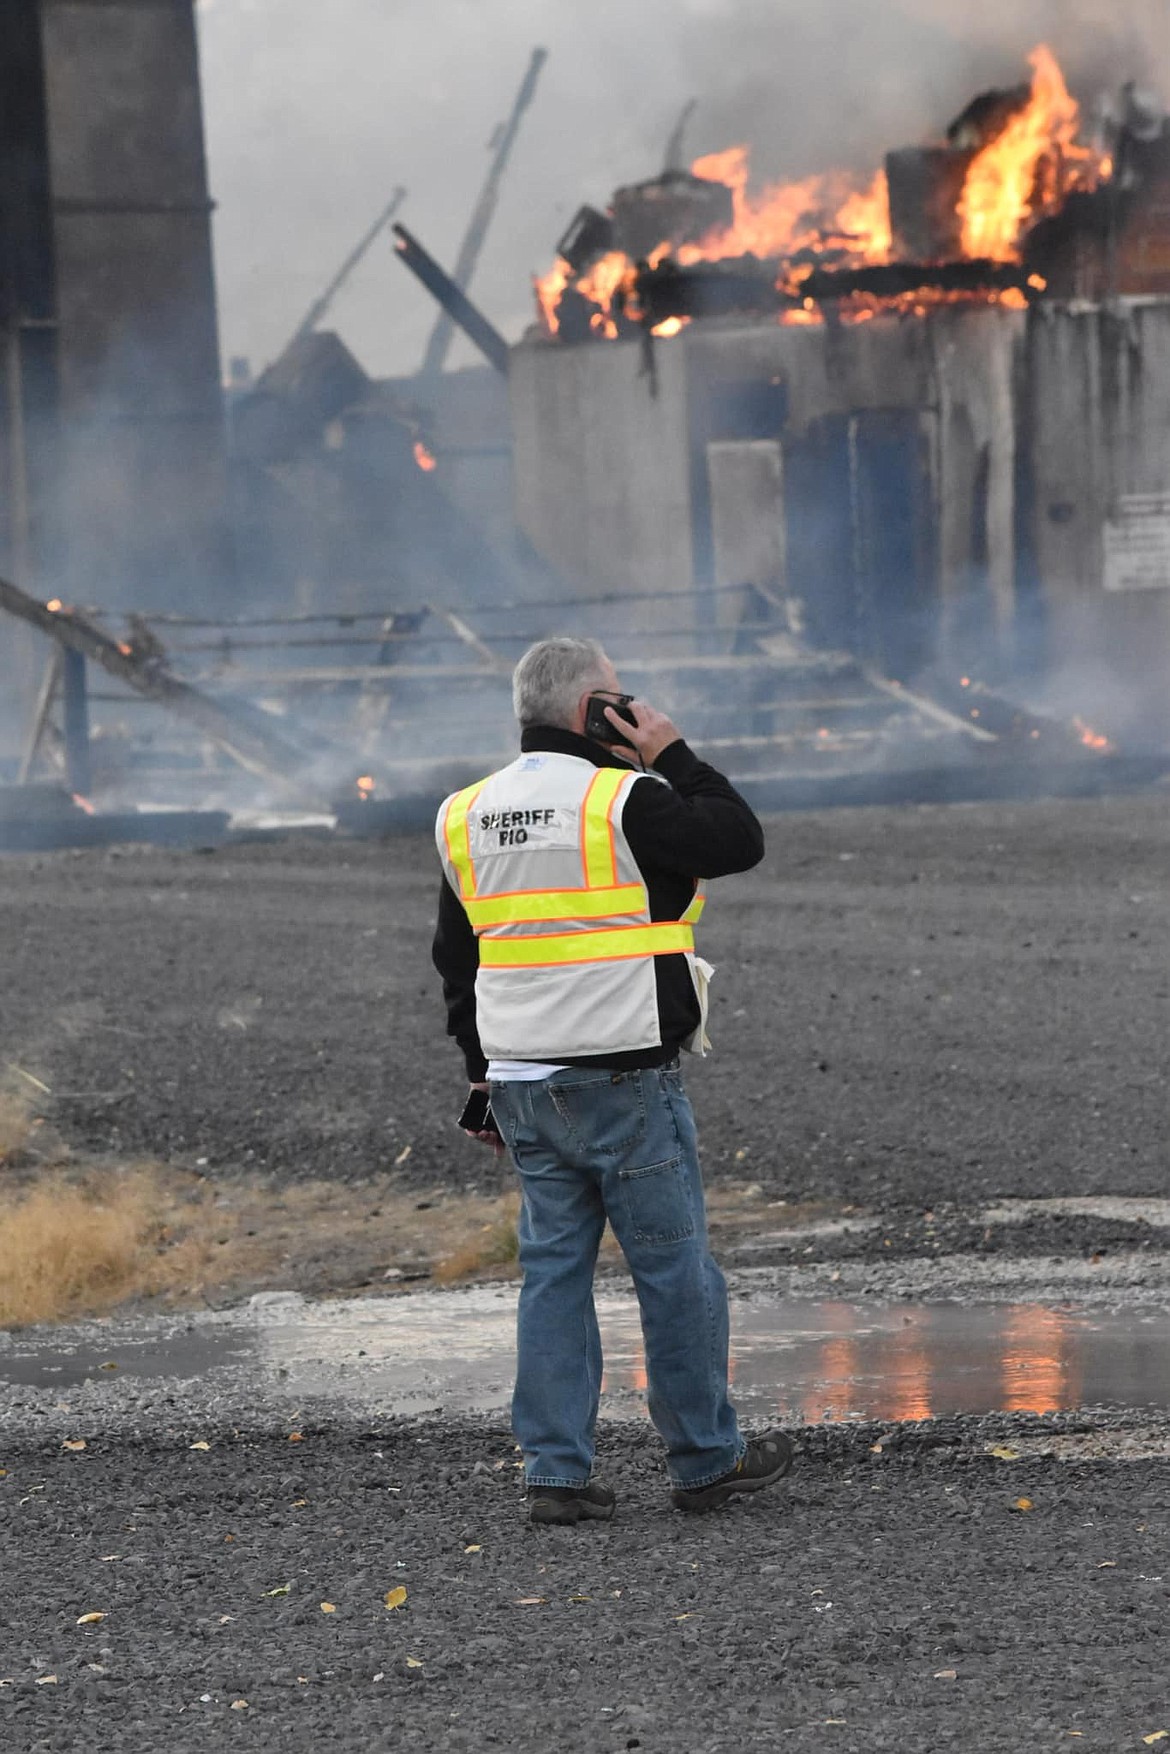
918, 1011
914, 1006
895, 1600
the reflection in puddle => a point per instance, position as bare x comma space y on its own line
797, 1360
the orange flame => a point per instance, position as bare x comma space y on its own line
366, 787
1090, 738
786, 217
1026, 172
1029, 168
782, 219
84, 804
54, 606
424, 458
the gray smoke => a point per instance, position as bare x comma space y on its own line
315, 112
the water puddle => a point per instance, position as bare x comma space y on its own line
798, 1360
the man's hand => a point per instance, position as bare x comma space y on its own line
651, 734
487, 1135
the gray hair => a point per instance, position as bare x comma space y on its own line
552, 676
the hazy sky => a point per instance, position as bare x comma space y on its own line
315, 109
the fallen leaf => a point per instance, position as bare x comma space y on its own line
414, 1662
328, 1608
3, 1473
946, 1674
47, 1681
1003, 1453
75, 1443
1156, 1736
684, 1616
474, 1548
303, 1680
380, 1676
395, 1598
1022, 1504
90, 1619
201, 1445
239, 1705
282, 1589
402, 1155
529, 1601
1105, 1565
109, 1558
225, 1618
296, 1437
580, 1598
299, 1503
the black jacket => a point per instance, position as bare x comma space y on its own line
698, 826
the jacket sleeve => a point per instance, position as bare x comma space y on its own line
455, 953
697, 826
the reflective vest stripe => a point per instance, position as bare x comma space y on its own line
598, 849
455, 835
694, 912
524, 906
613, 944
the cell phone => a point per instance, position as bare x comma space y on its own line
477, 1116
597, 723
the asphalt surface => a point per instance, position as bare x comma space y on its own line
896, 1600
913, 1007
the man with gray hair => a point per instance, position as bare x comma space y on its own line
566, 946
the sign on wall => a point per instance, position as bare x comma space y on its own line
1137, 544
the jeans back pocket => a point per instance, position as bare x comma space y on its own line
656, 1202
602, 1117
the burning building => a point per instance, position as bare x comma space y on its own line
927, 410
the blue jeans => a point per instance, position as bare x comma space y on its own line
591, 1145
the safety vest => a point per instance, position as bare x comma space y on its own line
538, 856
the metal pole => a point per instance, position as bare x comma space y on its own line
50, 682
465, 262
75, 694
320, 306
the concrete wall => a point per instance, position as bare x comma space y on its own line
603, 471
112, 466
1096, 412
143, 480
894, 422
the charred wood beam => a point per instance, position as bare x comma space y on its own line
894, 279
454, 301
711, 289
708, 289
232, 725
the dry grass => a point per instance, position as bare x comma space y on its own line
72, 1247
495, 1245
80, 1240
